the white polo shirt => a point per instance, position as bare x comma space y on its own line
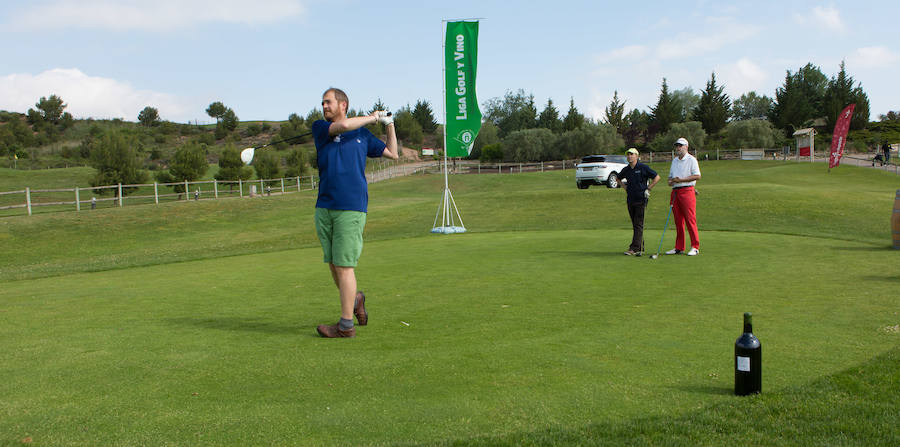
684, 167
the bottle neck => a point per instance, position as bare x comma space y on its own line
748, 328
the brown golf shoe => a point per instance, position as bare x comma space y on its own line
333, 331
359, 309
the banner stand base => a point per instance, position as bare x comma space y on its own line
448, 230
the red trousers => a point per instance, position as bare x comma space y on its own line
684, 210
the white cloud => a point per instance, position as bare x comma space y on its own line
827, 17
686, 45
157, 15
87, 96
873, 57
742, 77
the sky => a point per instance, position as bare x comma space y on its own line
266, 59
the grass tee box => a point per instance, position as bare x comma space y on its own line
195, 323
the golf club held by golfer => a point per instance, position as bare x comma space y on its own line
247, 154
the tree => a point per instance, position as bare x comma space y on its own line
314, 115
488, 135
379, 105
515, 111
615, 112
297, 164
492, 152
799, 100
574, 119
751, 133
666, 112
590, 138
50, 109
267, 165
892, 115
692, 130
424, 116
231, 168
149, 116
407, 127
529, 145
294, 127
841, 93
188, 164
636, 125
216, 110
116, 161
549, 118
714, 108
686, 101
750, 105
229, 120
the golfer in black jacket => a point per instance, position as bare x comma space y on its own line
638, 179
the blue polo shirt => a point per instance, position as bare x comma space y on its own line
342, 166
637, 181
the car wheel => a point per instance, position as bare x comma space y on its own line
612, 181
582, 185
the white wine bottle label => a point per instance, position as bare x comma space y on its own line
743, 363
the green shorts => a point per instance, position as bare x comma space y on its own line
341, 235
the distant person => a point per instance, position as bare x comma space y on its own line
639, 179
342, 145
886, 149
683, 175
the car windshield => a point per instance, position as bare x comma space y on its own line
606, 158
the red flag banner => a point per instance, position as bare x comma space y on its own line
840, 136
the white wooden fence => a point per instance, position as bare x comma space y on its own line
77, 198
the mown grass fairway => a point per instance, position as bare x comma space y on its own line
194, 323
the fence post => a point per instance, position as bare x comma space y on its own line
216, 187
156, 193
298, 183
28, 199
77, 200
186, 192
479, 166
499, 168
282, 185
121, 197
241, 188
520, 168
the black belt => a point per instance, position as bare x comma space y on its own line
679, 187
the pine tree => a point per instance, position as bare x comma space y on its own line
615, 113
424, 116
574, 119
841, 93
666, 112
714, 108
549, 118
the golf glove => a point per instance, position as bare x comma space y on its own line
384, 117
646, 193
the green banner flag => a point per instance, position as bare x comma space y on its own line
461, 115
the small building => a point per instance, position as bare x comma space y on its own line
806, 143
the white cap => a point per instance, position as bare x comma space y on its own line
681, 142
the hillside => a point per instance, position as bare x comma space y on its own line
23, 147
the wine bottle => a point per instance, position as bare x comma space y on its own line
747, 361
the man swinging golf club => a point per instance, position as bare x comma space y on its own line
342, 145
639, 179
683, 175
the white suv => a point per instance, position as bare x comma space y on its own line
599, 170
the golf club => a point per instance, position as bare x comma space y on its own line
663, 233
247, 154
